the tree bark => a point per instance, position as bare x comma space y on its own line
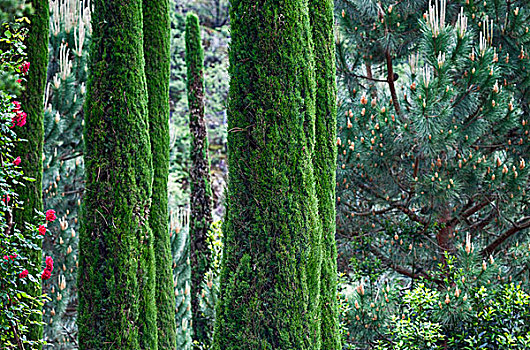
201, 193
271, 264
157, 28
324, 163
116, 278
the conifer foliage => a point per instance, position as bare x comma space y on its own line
116, 262
201, 193
432, 178
271, 260
156, 28
63, 174
30, 151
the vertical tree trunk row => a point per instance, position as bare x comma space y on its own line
201, 193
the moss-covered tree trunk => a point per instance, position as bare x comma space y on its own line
271, 264
157, 56
324, 162
116, 262
201, 193
31, 151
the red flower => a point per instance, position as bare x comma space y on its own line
42, 229
17, 161
6, 199
24, 68
50, 215
17, 105
49, 263
23, 274
19, 81
46, 274
19, 119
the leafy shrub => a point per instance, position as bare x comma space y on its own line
18, 274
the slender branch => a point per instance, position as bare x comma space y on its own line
519, 226
400, 269
398, 206
350, 73
474, 209
67, 157
390, 80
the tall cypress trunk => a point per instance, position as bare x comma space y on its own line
201, 193
269, 297
116, 263
157, 56
30, 151
324, 162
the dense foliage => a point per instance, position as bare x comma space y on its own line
63, 177
20, 272
433, 149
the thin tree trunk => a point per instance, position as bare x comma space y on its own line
201, 193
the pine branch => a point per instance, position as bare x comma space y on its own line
358, 76
400, 269
518, 226
390, 80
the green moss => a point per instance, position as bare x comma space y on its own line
157, 55
324, 162
30, 151
116, 263
269, 294
201, 193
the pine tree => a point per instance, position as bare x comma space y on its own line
30, 151
63, 174
433, 143
271, 259
157, 57
324, 162
180, 248
201, 193
116, 263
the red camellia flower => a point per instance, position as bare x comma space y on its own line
42, 229
50, 215
23, 274
24, 68
6, 199
49, 263
17, 161
47, 273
